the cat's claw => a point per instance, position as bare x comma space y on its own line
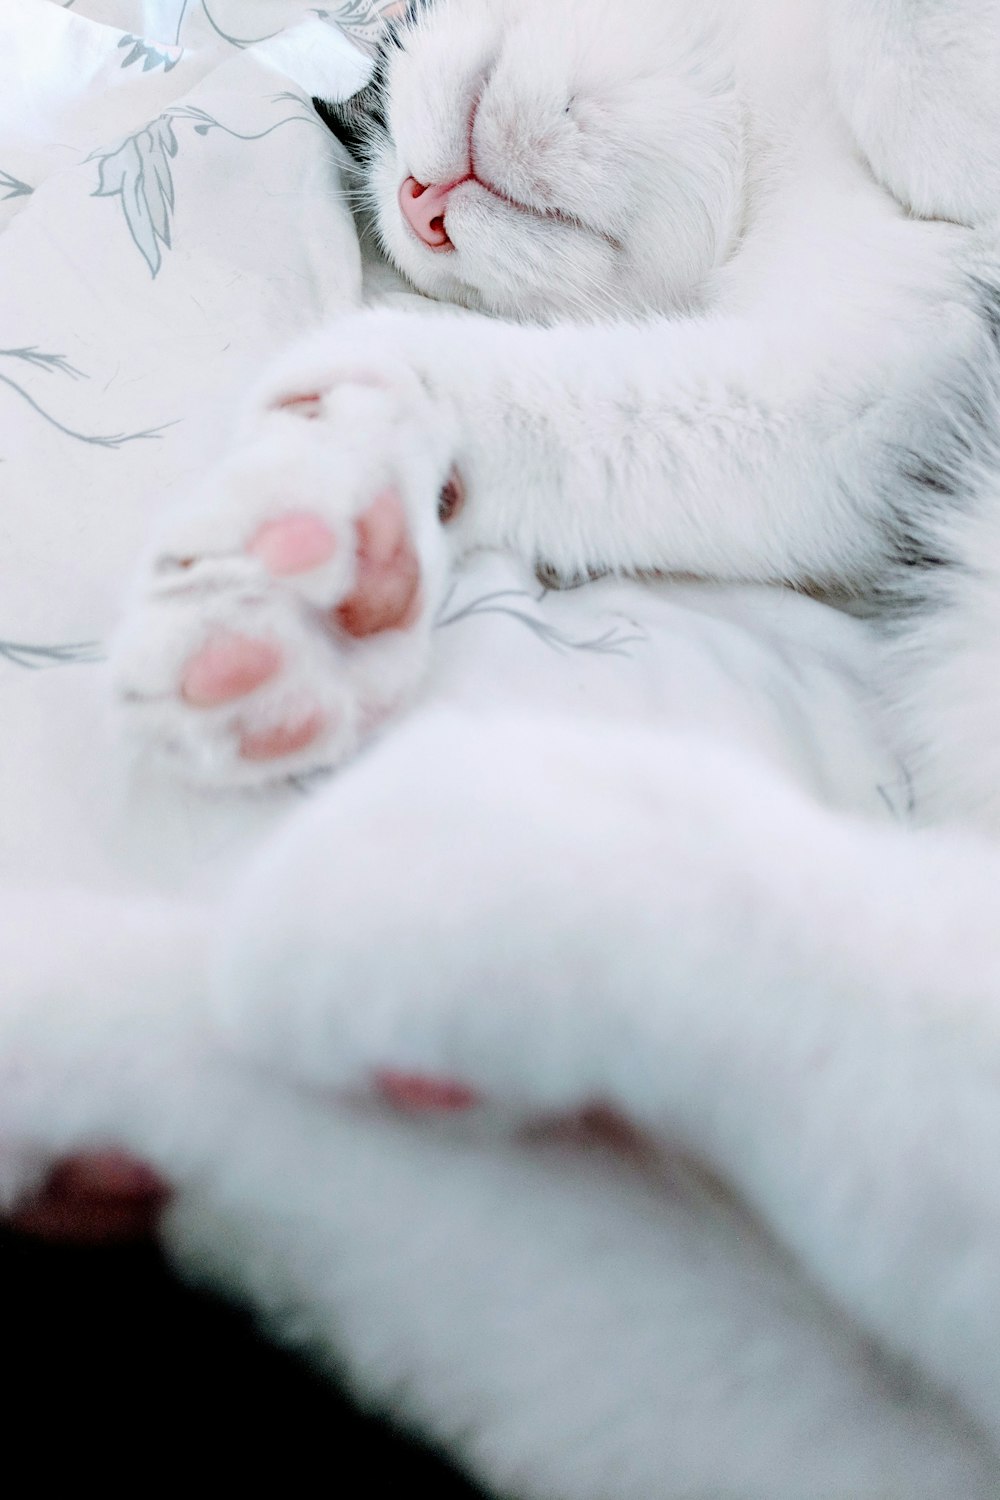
287, 611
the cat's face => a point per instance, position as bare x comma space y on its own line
550, 158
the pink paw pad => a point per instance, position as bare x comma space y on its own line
294, 544
416, 1095
283, 739
387, 580
228, 668
308, 405
102, 1199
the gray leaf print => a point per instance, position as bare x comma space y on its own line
615, 640
35, 658
37, 359
13, 187
364, 21
151, 57
204, 122
32, 355
138, 173
234, 41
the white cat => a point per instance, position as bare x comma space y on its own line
801, 384
554, 913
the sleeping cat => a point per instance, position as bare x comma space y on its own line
805, 1002
759, 340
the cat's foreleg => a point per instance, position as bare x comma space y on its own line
288, 611
778, 442
811, 1004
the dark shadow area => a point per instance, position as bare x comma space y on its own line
113, 1368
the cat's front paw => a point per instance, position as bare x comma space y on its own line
287, 611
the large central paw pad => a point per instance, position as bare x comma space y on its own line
288, 613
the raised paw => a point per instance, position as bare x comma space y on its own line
286, 612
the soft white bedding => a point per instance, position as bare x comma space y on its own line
170, 214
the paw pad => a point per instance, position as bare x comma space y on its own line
309, 406
283, 739
228, 668
294, 544
416, 1095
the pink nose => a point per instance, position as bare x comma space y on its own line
423, 209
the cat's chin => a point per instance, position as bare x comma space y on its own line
539, 310
500, 260
510, 260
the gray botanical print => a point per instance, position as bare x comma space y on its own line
150, 56
364, 21
37, 658
204, 122
614, 640
234, 41
32, 355
13, 187
137, 172
37, 359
